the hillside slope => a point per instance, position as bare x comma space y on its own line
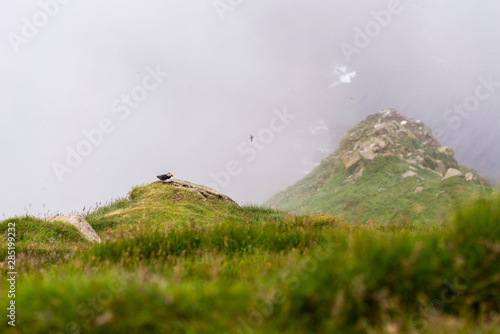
176, 261
388, 167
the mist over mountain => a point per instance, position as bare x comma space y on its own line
179, 87
387, 168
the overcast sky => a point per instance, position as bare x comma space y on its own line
98, 97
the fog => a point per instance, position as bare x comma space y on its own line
139, 88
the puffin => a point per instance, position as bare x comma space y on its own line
164, 177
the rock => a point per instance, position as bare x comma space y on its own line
469, 177
376, 144
80, 223
352, 163
387, 127
387, 112
367, 154
203, 191
446, 149
419, 190
452, 172
409, 174
440, 167
359, 174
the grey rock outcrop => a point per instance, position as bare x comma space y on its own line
447, 150
391, 134
367, 154
204, 192
469, 177
409, 174
452, 172
80, 223
440, 167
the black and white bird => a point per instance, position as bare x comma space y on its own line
165, 177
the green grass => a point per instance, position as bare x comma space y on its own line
172, 262
380, 194
38, 240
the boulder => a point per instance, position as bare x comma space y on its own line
367, 154
469, 177
377, 144
203, 191
409, 174
359, 173
419, 190
386, 127
351, 163
451, 172
440, 167
446, 149
80, 223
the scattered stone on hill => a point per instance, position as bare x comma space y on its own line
359, 173
80, 223
469, 177
367, 154
419, 190
389, 133
352, 163
440, 167
204, 192
452, 172
447, 150
409, 174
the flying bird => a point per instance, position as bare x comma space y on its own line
251, 138
164, 177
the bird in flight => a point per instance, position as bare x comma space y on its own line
164, 177
251, 137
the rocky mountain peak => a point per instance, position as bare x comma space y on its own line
387, 167
389, 132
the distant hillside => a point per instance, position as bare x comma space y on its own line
388, 167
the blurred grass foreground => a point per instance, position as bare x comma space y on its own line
173, 262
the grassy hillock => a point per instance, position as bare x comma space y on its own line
172, 262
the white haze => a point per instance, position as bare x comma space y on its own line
227, 79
